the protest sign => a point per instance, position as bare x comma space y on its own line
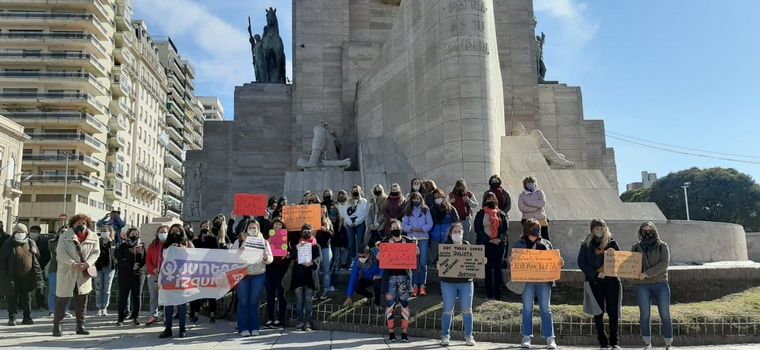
278, 242
295, 216
532, 265
304, 253
250, 204
257, 246
461, 261
622, 264
398, 256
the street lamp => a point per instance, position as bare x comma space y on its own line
66, 182
686, 198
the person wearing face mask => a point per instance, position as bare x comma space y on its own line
398, 283
114, 220
209, 238
305, 279
375, 217
428, 187
464, 202
41, 240
531, 239
417, 224
531, 203
339, 239
281, 203
453, 288
443, 215
491, 226
607, 291
271, 209
52, 269
176, 238
19, 265
366, 278
394, 207
106, 266
275, 272
653, 282
416, 186
250, 287
130, 257
155, 249
78, 249
503, 200
354, 215
324, 238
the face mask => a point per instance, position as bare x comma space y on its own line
460, 190
162, 236
530, 187
205, 231
491, 204
457, 238
535, 231
378, 193
363, 260
19, 236
306, 235
495, 183
439, 201
416, 187
355, 194
598, 233
396, 233
416, 203
217, 224
394, 193
253, 231
105, 234
34, 235
341, 199
79, 229
327, 198
134, 238
647, 235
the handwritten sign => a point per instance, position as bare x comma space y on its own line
398, 256
461, 261
295, 216
278, 241
256, 247
532, 265
622, 264
304, 253
250, 204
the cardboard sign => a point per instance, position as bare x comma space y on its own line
622, 264
398, 256
295, 216
250, 204
461, 261
532, 265
278, 242
304, 253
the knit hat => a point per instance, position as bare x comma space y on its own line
20, 228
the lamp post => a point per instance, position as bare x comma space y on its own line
66, 183
686, 198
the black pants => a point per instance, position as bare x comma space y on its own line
61, 303
544, 230
494, 278
273, 284
22, 299
607, 294
130, 287
375, 294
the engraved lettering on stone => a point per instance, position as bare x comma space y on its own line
463, 5
466, 45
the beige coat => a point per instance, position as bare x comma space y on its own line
68, 278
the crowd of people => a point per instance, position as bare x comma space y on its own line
352, 229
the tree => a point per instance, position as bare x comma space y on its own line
715, 194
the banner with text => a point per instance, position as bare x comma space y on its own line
461, 261
398, 256
250, 204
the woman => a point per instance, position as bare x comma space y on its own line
429, 188
249, 288
531, 203
503, 200
275, 272
177, 239
305, 280
354, 218
271, 208
375, 217
416, 186
106, 266
155, 250
324, 236
20, 268
52, 269
491, 226
394, 207
451, 288
130, 257
531, 239
444, 215
464, 202
397, 290
339, 241
209, 238
417, 224
607, 290
77, 250
281, 203
653, 283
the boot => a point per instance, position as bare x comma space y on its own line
167, 333
81, 330
57, 330
27, 320
182, 332
11, 322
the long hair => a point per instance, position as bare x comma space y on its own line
451, 229
180, 238
527, 226
639, 237
460, 183
159, 229
222, 234
490, 194
409, 207
430, 186
605, 239
446, 205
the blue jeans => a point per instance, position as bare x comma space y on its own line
103, 282
544, 293
355, 239
304, 300
420, 275
660, 293
169, 315
339, 256
248, 294
324, 268
450, 292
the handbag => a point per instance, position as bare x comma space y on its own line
89, 272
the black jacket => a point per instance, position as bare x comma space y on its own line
481, 237
106, 258
127, 255
590, 262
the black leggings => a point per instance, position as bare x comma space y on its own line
494, 279
607, 294
130, 286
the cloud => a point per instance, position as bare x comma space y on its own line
576, 29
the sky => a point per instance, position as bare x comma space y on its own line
679, 74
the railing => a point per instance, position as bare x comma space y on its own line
25, 116
53, 95
174, 182
62, 158
146, 184
43, 35
55, 56
38, 15
61, 178
67, 137
53, 75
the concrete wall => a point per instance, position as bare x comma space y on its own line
753, 246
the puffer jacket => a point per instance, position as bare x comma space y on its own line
420, 220
532, 204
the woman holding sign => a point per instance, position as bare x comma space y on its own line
398, 282
324, 236
249, 289
176, 238
606, 290
305, 280
491, 225
417, 224
653, 284
451, 288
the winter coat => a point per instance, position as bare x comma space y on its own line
354, 215
483, 237
394, 209
655, 261
52, 266
155, 250
19, 262
463, 207
590, 261
376, 214
368, 271
502, 197
106, 258
127, 255
69, 278
532, 204
43, 245
420, 220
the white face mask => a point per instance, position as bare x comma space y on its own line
252, 231
105, 234
19, 236
162, 236
438, 201
416, 187
457, 238
363, 260
598, 233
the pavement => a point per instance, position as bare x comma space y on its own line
106, 335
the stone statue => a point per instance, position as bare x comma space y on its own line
540, 57
257, 52
268, 51
325, 149
555, 159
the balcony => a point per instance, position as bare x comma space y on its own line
188, 69
124, 16
174, 172
115, 170
76, 161
95, 6
63, 99
12, 189
125, 39
82, 142
76, 20
68, 80
121, 106
116, 141
124, 56
174, 146
174, 119
84, 182
146, 187
172, 159
81, 41
114, 189
173, 186
117, 123
121, 84
173, 133
173, 198
74, 59
146, 169
85, 122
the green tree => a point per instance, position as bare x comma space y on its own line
715, 194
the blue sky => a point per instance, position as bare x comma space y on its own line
677, 72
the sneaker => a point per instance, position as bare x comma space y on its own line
616, 347
68, 315
50, 314
525, 343
105, 312
404, 337
324, 296
135, 322
300, 326
415, 291
167, 333
255, 333
648, 346
119, 323
392, 336
332, 289
469, 341
307, 327
445, 341
269, 324
244, 334
99, 313
423, 291
11, 323
551, 343
27, 321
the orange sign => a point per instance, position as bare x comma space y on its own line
398, 256
622, 264
250, 204
295, 216
532, 265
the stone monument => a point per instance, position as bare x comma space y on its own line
268, 51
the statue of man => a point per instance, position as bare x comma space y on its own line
540, 57
254, 40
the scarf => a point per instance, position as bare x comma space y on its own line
493, 215
81, 237
499, 192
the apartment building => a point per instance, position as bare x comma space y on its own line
12, 140
212, 108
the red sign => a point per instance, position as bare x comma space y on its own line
398, 256
250, 204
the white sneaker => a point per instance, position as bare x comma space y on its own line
244, 334
469, 341
648, 346
99, 313
445, 341
255, 333
332, 289
105, 312
526, 343
551, 343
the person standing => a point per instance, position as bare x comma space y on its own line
77, 251
210, 238
415, 186
417, 224
491, 227
354, 217
130, 256
275, 272
19, 261
250, 287
114, 220
453, 288
503, 200
35, 234
376, 217
324, 238
531, 203
607, 290
464, 202
305, 280
155, 250
176, 239
394, 207
106, 266
52, 269
339, 240
443, 215
397, 290
653, 284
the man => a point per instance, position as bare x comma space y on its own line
114, 220
22, 273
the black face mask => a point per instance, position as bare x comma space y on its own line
327, 198
495, 183
217, 224
377, 193
648, 236
394, 193
79, 229
396, 233
491, 204
134, 238
205, 231
355, 194
306, 235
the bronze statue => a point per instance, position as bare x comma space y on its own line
256, 52
268, 51
540, 57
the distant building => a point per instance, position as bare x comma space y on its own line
212, 108
647, 179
